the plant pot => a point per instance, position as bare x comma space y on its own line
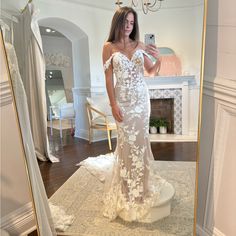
163, 130
153, 130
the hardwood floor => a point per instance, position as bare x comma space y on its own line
71, 150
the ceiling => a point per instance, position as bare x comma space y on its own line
52, 34
14, 6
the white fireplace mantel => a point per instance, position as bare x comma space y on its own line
170, 81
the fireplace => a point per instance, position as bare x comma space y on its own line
176, 95
164, 108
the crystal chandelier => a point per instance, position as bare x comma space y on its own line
147, 5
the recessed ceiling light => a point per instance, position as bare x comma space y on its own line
48, 30
50, 76
53, 31
50, 72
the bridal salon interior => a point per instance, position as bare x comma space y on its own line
59, 138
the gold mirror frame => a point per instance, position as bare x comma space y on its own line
199, 123
200, 114
19, 131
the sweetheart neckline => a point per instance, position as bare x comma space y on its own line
130, 60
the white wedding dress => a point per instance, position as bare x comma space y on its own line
131, 186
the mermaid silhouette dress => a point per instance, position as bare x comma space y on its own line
131, 188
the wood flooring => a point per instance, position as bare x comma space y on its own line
72, 150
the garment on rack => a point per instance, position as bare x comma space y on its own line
34, 83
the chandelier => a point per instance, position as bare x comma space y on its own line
147, 5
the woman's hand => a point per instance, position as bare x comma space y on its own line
152, 50
116, 112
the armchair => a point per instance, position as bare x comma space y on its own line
100, 117
65, 112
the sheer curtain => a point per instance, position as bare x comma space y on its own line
34, 83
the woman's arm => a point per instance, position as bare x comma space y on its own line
151, 68
106, 54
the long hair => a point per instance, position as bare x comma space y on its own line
118, 24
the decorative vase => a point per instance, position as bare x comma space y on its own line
153, 130
163, 130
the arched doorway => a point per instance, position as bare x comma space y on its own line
81, 66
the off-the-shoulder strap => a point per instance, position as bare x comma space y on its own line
108, 63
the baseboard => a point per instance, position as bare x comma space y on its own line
19, 221
28, 231
98, 135
206, 232
202, 232
217, 232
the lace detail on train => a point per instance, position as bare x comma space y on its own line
131, 188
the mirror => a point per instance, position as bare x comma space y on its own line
17, 204
72, 40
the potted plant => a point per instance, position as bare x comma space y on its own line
162, 124
153, 124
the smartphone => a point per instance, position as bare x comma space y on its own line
149, 39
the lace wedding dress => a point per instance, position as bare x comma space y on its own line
131, 186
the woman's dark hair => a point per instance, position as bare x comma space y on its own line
118, 24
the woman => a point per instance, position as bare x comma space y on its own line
129, 191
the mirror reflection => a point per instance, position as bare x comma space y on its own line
73, 126
16, 191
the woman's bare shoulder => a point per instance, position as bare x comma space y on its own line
107, 50
108, 46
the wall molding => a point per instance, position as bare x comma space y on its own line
5, 93
98, 135
18, 221
224, 113
89, 91
222, 89
204, 232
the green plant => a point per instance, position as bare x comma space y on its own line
154, 122
162, 122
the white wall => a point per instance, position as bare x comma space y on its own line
178, 28
217, 176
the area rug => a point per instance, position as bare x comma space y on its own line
81, 196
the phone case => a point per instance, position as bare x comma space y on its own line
149, 39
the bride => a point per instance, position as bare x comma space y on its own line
131, 186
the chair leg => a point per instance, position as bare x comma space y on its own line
109, 139
51, 121
60, 129
90, 134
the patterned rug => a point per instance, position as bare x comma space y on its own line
81, 196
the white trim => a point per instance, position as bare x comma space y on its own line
217, 232
205, 232
18, 220
97, 136
89, 91
224, 113
202, 232
28, 231
5, 93
223, 89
